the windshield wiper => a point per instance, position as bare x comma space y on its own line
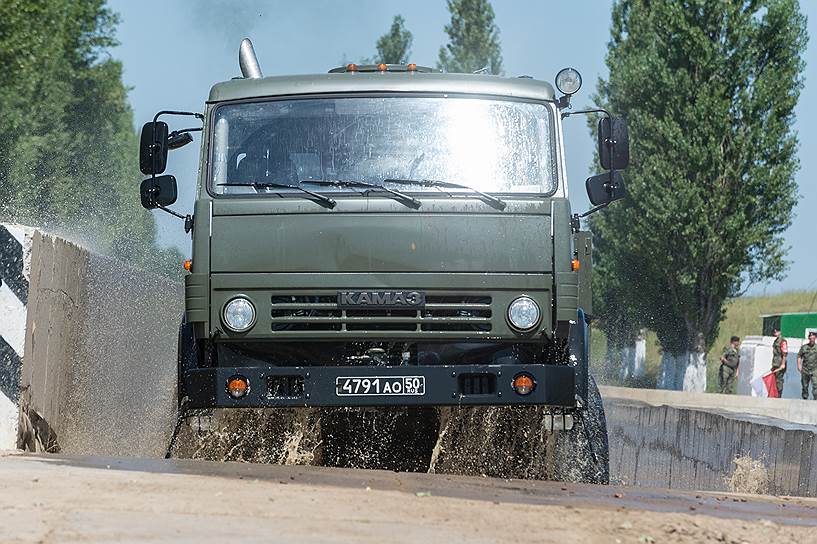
492, 200
324, 201
409, 201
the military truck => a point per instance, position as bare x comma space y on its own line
387, 235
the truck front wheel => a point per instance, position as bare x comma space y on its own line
582, 453
518, 442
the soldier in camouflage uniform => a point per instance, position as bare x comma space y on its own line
807, 365
780, 350
730, 360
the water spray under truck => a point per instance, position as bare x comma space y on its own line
386, 236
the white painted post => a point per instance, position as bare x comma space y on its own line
640, 362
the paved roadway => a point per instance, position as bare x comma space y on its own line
93, 499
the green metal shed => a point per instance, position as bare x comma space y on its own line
792, 325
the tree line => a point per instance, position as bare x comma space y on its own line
709, 90
67, 142
473, 40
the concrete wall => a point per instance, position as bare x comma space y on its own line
663, 446
690, 440
99, 372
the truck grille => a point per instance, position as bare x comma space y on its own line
320, 312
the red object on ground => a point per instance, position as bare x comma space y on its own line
771, 385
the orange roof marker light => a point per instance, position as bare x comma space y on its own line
382, 68
188, 264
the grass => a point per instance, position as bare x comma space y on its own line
742, 319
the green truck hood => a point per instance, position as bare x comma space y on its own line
388, 239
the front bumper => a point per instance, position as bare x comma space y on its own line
444, 385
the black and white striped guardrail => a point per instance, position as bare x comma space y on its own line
15, 251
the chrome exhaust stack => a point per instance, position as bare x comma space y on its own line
247, 60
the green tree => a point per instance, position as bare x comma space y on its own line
394, 47
709, 90
473, 39
613, 314
67, 144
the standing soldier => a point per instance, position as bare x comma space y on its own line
730, 360
780, 350
807, 365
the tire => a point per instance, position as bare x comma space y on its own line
583, 452
187, 357
516, 442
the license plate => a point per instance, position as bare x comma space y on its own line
380, 385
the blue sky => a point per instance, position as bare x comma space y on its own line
173, 51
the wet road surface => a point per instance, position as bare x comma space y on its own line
790, 510
92, 499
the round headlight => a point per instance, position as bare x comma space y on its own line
568, 81
523, 313
239, 314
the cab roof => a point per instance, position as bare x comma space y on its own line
349, 82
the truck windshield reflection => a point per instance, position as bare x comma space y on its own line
488, 145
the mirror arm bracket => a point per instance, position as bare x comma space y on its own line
610, 143
575, 223
188, 219
592, 210
195, 114
564, 102
171, 212
587, 111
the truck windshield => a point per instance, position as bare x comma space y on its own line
497, 146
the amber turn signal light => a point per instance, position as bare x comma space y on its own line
188, 264
238, 387
575, 264
523, 384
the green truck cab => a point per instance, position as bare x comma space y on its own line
384, 236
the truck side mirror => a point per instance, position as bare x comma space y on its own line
153, 148
614, 143
158, 192
178, 139
602, 189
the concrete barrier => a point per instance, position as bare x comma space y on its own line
15, 262
690, 441
98, 376
788, 410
